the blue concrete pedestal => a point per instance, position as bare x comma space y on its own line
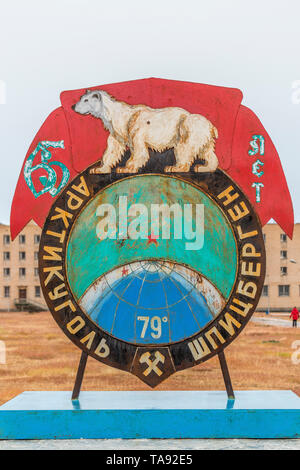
150, 414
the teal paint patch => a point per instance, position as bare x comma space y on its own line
255, 414
49, 181
256, 168
257, 187
88, 257
257, 144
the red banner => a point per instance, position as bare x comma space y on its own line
68, 142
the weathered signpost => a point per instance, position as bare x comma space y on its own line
151, 195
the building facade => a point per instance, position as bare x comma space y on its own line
281, 291
19, 277
20, 285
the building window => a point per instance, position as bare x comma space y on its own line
6, 255
22, 239
265, 291
283, 254
6, 291
22, 255
6, 239
37, 239
23, 293
283, 291
36, 271
283, 271
264, 236
37, 291
36, 255
6, 272
22, 272
283, 237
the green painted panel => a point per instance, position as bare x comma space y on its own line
89, 257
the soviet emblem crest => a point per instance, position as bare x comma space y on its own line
152, 257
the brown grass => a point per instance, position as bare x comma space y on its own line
40, 357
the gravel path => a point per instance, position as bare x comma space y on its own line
273, 321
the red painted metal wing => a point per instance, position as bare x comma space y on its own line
259, 164
28, 202
85, 140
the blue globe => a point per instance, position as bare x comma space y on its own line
148, 302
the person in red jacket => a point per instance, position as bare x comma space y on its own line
294, 315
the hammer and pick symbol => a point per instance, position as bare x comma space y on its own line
152, 365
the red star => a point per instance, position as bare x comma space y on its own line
124, 271
152, 239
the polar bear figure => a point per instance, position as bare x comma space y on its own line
140, 127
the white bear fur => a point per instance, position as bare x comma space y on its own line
141, 127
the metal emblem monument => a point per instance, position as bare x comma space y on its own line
151, 196
148, 305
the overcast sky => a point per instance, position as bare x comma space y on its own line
53, 45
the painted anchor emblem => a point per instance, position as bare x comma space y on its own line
50, 181
152, 365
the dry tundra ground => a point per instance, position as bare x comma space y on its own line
41, 357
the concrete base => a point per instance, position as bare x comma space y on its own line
161, 414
